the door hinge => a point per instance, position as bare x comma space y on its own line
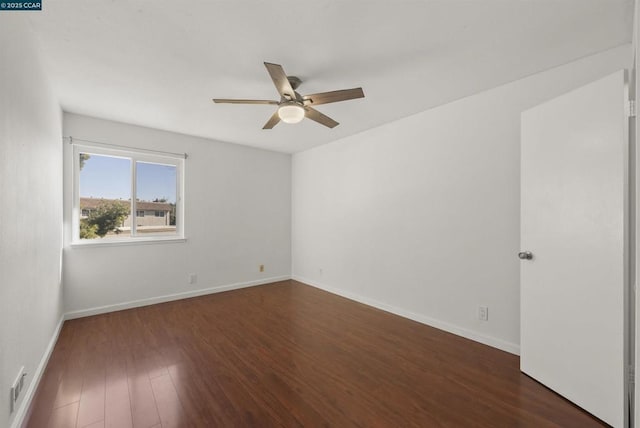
631, 371
632, 108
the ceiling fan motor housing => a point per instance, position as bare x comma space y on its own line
295, 81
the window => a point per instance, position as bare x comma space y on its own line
114, 188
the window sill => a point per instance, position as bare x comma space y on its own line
124, 242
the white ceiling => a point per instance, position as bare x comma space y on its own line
158, 63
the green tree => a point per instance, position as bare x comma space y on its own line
172, 215
83, 158
106, 218
87, 231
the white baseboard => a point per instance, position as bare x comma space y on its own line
170, 297
18, 420
442, 325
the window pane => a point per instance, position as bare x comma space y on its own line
105, 196
156, 195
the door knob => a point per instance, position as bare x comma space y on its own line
525, 255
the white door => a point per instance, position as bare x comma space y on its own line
574, 224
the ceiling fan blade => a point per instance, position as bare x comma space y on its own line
228, 101
322, 119
333, 96
281, 81
273, 121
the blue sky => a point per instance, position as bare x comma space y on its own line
109, 177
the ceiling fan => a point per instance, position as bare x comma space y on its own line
293, 107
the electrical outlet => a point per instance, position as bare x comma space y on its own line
16, 388
193, 278
261, 268
483, 313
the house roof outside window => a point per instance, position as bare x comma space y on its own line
93, 203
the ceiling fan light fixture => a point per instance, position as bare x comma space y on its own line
291, 112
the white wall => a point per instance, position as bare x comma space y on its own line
31, 210
635, 202
422, 216
237, 216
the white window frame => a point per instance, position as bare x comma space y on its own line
134, 155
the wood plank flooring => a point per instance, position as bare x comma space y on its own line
286, 355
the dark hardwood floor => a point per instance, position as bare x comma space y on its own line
283, 354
